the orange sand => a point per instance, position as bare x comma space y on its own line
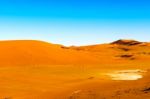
39, 70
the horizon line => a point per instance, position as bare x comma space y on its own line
68, 45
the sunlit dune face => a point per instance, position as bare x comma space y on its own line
126, 75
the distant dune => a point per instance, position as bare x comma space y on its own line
32, 52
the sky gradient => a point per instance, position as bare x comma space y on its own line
75, 22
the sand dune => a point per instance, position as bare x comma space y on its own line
31, 69
30, 52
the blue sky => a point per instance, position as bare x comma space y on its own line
75, 22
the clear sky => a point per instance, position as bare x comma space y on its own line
75, 22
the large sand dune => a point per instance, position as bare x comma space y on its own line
30, 52
32, 69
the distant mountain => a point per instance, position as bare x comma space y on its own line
127, 42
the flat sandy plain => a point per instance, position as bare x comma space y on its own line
39, 70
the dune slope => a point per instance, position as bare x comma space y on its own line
31, 52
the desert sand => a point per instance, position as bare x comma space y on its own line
31, 69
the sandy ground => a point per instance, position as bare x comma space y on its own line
39, 70
70, 82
